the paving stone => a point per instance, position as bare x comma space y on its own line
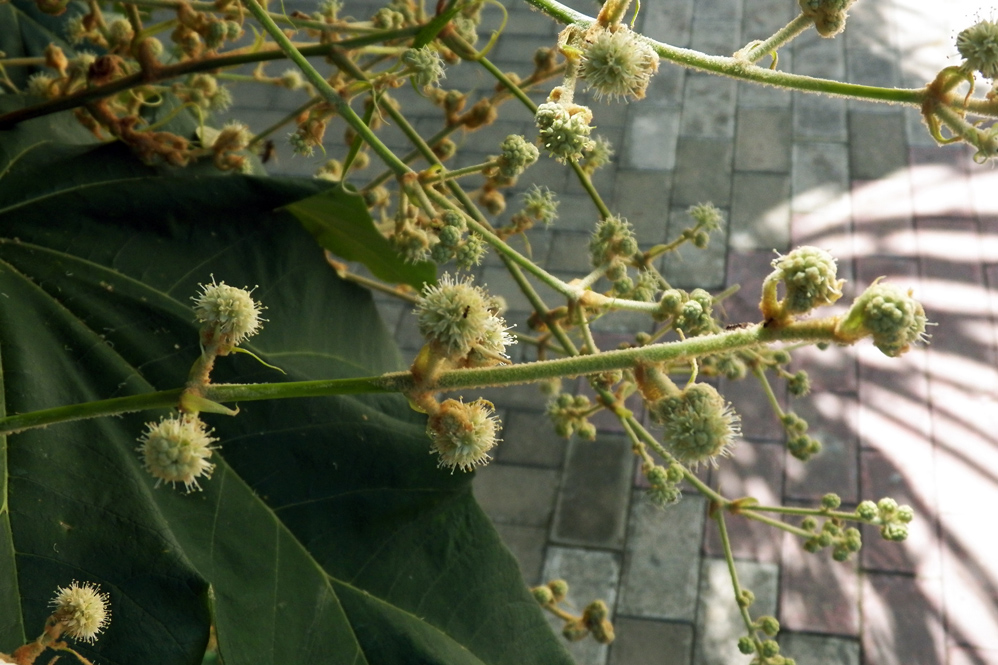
669, 22
817, 593
877, 145
747, 269
872, 66
529, 439
902, 620
576, 212
591, 575
756, 470
527, 544
642, 642
819, 118
661, 562
819, 649
570, 253
703, 172
651, 140
939, 183
763, 143
759, 422
819, 57
689, 267
970, 591
592, 503
642, 197
717, 33
518, 495
882, 216
665, 89
762, 18
833, 419
708, 107
760, 211
530, 22
719, 623
820, 176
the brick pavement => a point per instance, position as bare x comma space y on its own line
866, 183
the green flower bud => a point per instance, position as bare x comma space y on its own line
613, 239
889, 314
781, 357
564, 130
424, 65
463, 434
978, 45
799, 384
829, 15
904, 514
450, 236
769, 649
809, 523
894, 532
746, 645
542, 595
809, 275
867, 510
769, 625
887, 506
516, 156
698, 424
745, 598
618, 63
541, 204
470, 253
831, 501
559, 588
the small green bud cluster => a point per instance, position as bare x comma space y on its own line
892, 518
540, 204
799, 384
769, 625
177, 450
424, 65
800, 445
593, 622
707, 219
463, 434
460, 322
664, 484
844, 542
412, 242
745, 598
204, 91
692, 313
612, 245
387, 18
292, 79
570, 415
564, 130
617, 63
730, 365
978, 45
80, 611
328, 10
699, 424
644, 288
829, 16
809, 275
598, 156
889, 314
454, 243
515, 156
228, 316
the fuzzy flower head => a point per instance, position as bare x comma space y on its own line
227, 315
81, 610
809, 274
460, 321
564, 130
540, 203
618, 63
463, 434
176, 450
890, 315
699, 424
978, 45
424, 65
829, 16
516, 156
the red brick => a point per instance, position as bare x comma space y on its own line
817, 593
833, 419
902, 621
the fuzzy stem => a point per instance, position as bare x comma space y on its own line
729, 558
782, 37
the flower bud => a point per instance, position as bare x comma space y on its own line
809, 275
699, 424
463, 434
559, 588
457, 320
829, 15
516, 156
617, 63
81, 610
228, 315
542, 595
564, 130
978, 45
424, 65
891, 315
866, 510
176, 450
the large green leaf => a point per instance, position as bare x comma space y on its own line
326, 534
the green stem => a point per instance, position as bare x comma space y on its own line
789, 528
760, 374
283, 121
456, 173
738, 69
729, 558
783, 36
805, 512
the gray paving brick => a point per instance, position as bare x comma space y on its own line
763, 142
689, 267
642, 197
819, 649
529, 439
592, 503
530, 22
650, 142
665, 89
760, 211
708, 107
643, 642
591, 575
570, 252
661, 561
516, 495
819, 118
670, 22
703, 172
719, 623
820, 175
877, 145
833, 420
764, 17
873, 66
716, 31
815, 56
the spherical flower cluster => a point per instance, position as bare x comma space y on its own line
540, 203
82, 610
699, 424
612, 241
829, 16
809, 274
228, 315
459, 320
890, 314
570, 415
517, 154
424, 65
663, 483
564, 130
978, 45
41, 84
463, 434
176, 450
618, 63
